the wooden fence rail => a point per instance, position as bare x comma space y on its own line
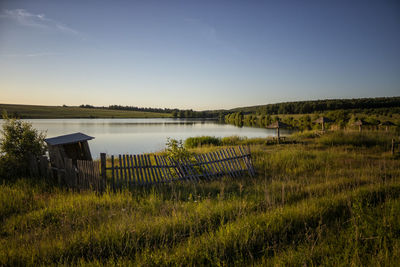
145, 169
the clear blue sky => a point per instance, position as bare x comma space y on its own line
197, 54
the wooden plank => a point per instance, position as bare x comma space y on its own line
203, 168
148, 169
232, 160
236, 160
218, 167
211, 165
206, 163
162, 168
157, 169
250, 161
228, 165
221, 162
141, 165
112, 173
138, 171
174, 165
117, 175
153, 173
189, 170
224, 163
103, 161
124, 167
245, 160
128, 171
131, 172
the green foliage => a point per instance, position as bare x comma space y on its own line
176, 150
192, 142
304, 107
19, 143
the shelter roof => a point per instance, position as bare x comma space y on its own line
68, 139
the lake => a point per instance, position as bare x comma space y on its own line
134, 136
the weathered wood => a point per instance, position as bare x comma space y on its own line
148, 169
142, 170
236, 160
210, 164
163, 168
224, 162
103, 162
138, 170
189, 168
220, 171
131, 172
229, 164
112, 173
153, 173
125, 167
159, 169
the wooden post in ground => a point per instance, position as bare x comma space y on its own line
103, 162
392, 146
278, 134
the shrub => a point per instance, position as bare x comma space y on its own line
19, 142
192, 142
176, 150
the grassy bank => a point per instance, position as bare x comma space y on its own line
324, 201
54, 112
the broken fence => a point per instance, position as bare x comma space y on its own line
146, 169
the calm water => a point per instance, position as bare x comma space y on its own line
134, 136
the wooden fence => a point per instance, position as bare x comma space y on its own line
146, 169
84, 175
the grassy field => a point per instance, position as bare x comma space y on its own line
53, 112
329, 200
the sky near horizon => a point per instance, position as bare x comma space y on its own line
197, 54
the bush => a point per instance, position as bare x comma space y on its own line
19, 142
176, 150
192, 142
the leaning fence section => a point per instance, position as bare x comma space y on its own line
127, 171
146, 169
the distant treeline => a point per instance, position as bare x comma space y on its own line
304, 107
341, 118
175, 113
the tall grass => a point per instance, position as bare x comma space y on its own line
311, 204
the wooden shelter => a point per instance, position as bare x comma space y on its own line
322, 121
360, 123
387, 124
278, 125
73, 146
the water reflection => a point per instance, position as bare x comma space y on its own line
133, 136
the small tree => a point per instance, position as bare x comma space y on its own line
19, 142
176, 150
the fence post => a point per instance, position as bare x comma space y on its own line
392, 146
103, 163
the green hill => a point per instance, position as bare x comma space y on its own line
53, 112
